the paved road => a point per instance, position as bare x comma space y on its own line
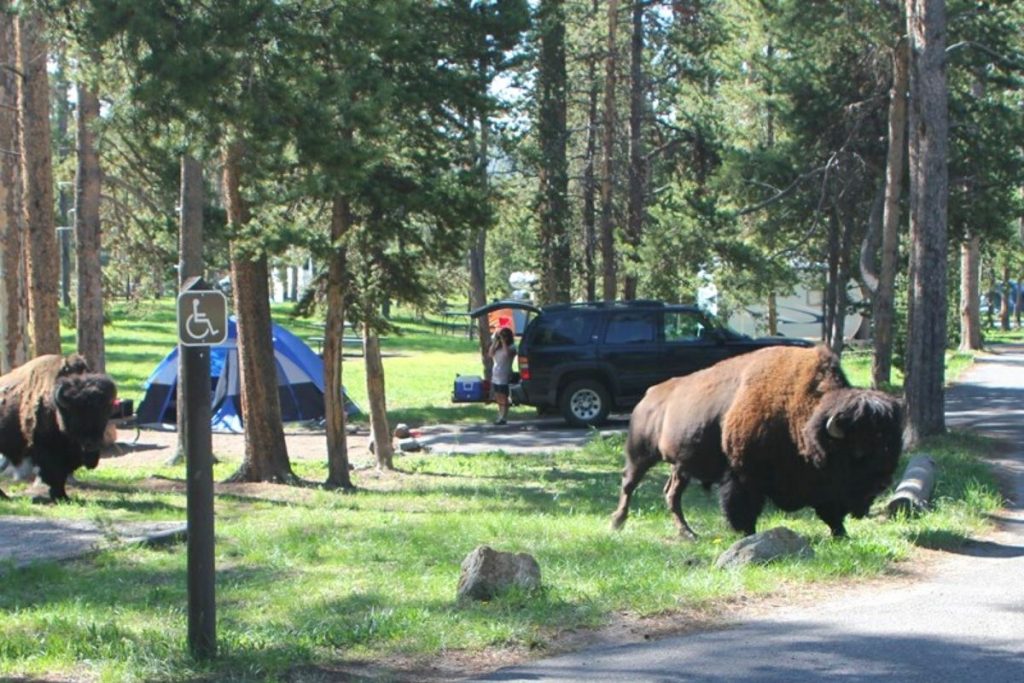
963, 623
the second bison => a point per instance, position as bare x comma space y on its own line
54, 411
779, 424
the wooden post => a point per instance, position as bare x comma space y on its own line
914, 492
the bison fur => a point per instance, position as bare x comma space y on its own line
779, 424
54, 411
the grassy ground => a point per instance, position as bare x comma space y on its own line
311, 581
308, 578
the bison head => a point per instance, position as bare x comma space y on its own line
856, 437
83, 405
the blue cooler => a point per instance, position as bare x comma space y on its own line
468, 389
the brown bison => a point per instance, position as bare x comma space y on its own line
54, 411
781, 424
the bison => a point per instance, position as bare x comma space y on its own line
781, 424
54, 411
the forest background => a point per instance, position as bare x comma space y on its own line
421, 152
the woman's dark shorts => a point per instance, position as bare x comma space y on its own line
500, 389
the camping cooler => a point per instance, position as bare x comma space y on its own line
470, 389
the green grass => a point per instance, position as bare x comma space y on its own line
322, 578
308, 578
857, 366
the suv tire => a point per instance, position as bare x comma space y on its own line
585, 403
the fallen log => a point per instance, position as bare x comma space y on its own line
914, 492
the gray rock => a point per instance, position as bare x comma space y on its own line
765, 547
487, 572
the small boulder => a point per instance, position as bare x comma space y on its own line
487, 572
765, 547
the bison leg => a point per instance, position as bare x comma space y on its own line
741, 504
674, 488
631, 477
833, 516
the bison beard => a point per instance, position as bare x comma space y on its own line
779, 424
54, 411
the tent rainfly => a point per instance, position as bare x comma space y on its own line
300, 384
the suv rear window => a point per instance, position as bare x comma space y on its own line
568, 329
632, 328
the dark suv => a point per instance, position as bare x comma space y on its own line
584, 360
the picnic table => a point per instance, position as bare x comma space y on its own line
350, 338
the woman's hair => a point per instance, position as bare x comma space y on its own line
506, 334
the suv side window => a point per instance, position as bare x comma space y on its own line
685, 326
569, 329
632, 328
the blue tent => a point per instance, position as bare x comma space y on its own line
300, 383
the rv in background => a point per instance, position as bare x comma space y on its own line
800, 314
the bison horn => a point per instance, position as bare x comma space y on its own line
56, 396
833, 428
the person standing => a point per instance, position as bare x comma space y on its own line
502, 353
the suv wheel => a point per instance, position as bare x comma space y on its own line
585, 403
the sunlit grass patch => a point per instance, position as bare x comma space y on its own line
319, 577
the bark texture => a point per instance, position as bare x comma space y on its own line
928, 120
637, 163
970, 294
338, 476
375, 393
88, 183
589, 214
42, 262
883, 312
608, 281
266, 454
554, 170
13, 321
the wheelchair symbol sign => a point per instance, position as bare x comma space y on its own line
202, 318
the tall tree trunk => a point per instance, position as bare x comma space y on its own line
773, 315
884, 304
376, 396
1004, 300
338, 476
970, 286
293, 283
929, 194
608, 150
478, 250
637, 165
88, 180
42, 262
266, 454
554, 171
62, 89
13, 321
831, 277
589, 216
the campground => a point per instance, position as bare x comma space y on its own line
317, 585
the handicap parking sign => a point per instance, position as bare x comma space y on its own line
202, 318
